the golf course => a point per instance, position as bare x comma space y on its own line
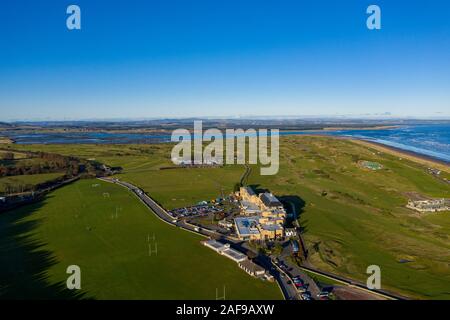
352, 216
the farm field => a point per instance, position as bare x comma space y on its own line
106, 230
352, 216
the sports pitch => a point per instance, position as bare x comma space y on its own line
123, 250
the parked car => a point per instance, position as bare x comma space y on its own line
306, 296
301, 289
323, 294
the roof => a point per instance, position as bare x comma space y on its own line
270, 200
216, 245
235, 255
247, 205
249, 191
246, 226
271, 227
251, 266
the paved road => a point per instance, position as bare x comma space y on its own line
158, 210
288, 290
293, 270
357, 285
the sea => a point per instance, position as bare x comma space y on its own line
428, 140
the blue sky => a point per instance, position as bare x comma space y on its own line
136, 59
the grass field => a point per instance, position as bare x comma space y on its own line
173, 188
17, 155
78, 225
352, 217
24, 180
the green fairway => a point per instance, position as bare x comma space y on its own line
355, 217
106, 231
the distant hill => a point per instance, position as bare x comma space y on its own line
5, 125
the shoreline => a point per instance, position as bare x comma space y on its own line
423, 159
155, 130
404, 154
420, 158
6, 140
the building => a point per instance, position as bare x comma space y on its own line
247, 228
249, 208
271, 231
270, 202
247, 194
290, 232
225, 250
252, 268
271, 220
371, 165
241, 259
257, 228
234, 255
225, 224
216, 245
265, 216
434, 205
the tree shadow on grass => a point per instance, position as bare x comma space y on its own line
25, 261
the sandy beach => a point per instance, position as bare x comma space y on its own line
5, 140
404, 154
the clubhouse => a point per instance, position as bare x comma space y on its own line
262, 217
434, 205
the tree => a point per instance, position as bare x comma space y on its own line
7, 156
277, 249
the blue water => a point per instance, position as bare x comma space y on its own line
430, 140
85, 138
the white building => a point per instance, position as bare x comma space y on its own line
225, 224
252, 268
290, 232
225, 250
430, 205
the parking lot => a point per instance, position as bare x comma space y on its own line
195, 211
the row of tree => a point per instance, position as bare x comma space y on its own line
49, 163
7, 156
